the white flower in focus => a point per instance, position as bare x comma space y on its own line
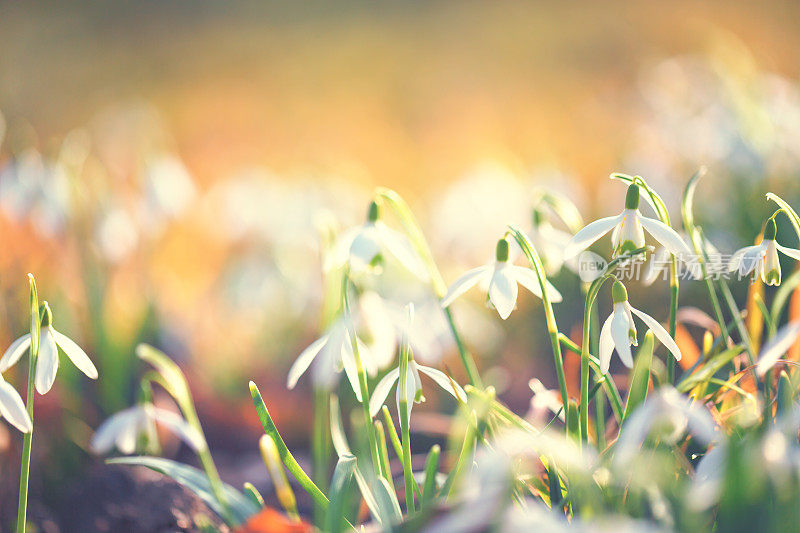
500, 278
628, 231
330, 353
50, 341
124, 428
762, 259
619, 331
12, 408
365, 246
413, 388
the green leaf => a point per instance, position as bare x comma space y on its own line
387, 501
707, 371
171, 372
342, 476
195, 480
573, 422
431, 469
785, 394
252, 493
640, 375
687, 203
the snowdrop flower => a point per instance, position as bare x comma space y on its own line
628, 231
414, 387
500, 279
777, 346
330, 353
124, 428
50, 341
762, 259
544, 402
12, 408
670, 414
619, 331
363, 247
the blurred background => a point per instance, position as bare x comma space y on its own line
164, 167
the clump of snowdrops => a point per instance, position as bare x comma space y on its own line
709, 444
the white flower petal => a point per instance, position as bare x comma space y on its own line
338, 254
349, 363
620, 327
791, 252
666, 236
180, 427
14, 352
528, 279
75, 354
365, 246
381, 331
47, 363
399, 246
464, 283
606, 345
658, 330
381, 391
747, 258
105, 437
585, 237
12, 408
503, 290
303, 361
444, 382
777, 346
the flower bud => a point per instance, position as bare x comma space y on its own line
619, 293
632, 197
374, 212
46, 314
271, 457
501, 253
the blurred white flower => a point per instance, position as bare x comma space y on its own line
363, 248
116, 234
670, 414
50, 341
545, 403
168, 187
330, 353
124, 428
619, 331
499, 278
12, 408
762, 259
628, 231
777, 346
549, 242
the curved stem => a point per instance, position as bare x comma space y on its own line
552, 327
417, 237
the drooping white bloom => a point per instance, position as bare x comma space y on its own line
365, 246
330, 353
777, 346
762, 259
50, 341
544, 403
619, 331
12, 408
124, 428
414, 387
628, 231
670, 414
500, 278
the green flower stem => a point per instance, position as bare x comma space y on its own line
405, 437
386, 471
320, 446
362, 379
612, 393
415, 234
25, 463
673, 312
552, 327
396, 445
